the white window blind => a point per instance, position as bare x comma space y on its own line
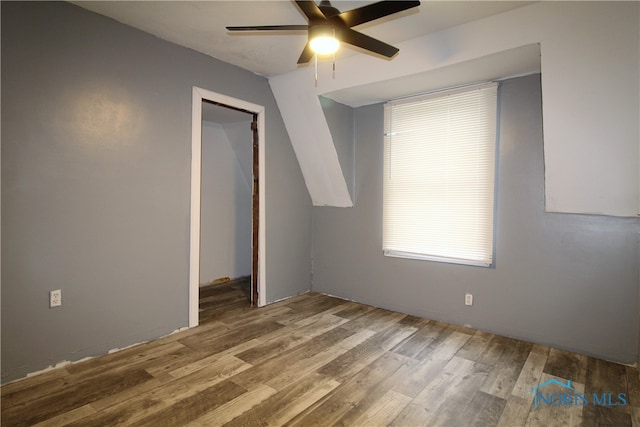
439, 168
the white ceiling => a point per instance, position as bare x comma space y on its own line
200, 25
506, 64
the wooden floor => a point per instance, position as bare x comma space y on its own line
316, 360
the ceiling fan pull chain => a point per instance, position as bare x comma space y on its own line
316, 73
334, 66
334, 57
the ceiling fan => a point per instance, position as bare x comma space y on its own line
328, 27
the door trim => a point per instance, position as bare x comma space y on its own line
199, 95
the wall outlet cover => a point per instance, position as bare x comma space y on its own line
468, 299
55, 298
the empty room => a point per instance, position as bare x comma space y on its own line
350, 213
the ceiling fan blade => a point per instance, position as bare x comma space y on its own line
311, 10
375, 11
355, 38
306, 54
270, 28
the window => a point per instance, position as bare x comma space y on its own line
439, 168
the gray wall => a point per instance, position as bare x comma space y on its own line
340, 118
225, 224
96, 143
569, 281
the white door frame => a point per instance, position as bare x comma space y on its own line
199, 95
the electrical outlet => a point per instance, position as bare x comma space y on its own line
468, 299
55, 298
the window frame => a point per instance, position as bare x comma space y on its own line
492, 125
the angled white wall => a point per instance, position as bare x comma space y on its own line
309, 133
590, 65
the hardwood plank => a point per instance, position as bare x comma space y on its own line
488, 359
349, 393
319, 360
502, 379
444, 347
316, 305
232, 338
180, 358
69, 417
447, 396
234, 408
313, 363
193, 407
426, 406
388, 408
290, 337
125, 357
302, 402
206, 362
278, 314
464, 329
475, 346
219, 301
635, 416
602, 416
564, 364
228, 311
515, 412
633, 386
540, 349
328, 313
423, 336
131, 393
560, 415
607, 379
375, 396
203, 328
530, 375
483, 410
139, 406
31, 383
287, 403
147, 357
344, 365
375, 320
455, 372
413, 415
351, 310
274, 366
155, 410
74, 396
425, 372
217, 289
604, 377
198, 359
29, 390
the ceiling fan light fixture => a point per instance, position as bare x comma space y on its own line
324, 45
323, 41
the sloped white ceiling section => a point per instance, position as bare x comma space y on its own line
311, 139
590, 62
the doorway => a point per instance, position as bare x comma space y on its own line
258, 243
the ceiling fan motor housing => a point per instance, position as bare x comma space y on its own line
328, 10
324, 30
